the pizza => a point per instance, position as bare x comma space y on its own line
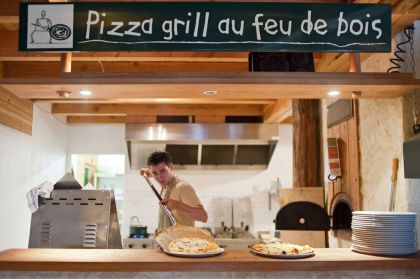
281, 248
193, 246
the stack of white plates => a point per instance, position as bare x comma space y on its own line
384, 233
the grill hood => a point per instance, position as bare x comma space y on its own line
204, 146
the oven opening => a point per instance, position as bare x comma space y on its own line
342, 216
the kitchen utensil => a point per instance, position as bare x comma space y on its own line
393, 184
165, 209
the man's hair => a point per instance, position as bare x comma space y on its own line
158, 157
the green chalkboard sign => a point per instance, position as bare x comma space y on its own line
189, 26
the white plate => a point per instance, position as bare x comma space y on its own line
385, 218
384, 246
384, 213
384, 241
381, 253
285, 256
390, 223
403, 230
185, 255
384, 231
385, 250
384, 223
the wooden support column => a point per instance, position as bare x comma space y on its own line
306, 143
354, 63
307, 163
65, 62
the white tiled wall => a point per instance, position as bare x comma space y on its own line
25, 162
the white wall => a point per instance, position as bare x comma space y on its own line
25, 162
96, 139
140, 201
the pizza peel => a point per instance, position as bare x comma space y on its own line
165, 209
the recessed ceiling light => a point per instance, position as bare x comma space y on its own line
85, 93
333, 93
210, 92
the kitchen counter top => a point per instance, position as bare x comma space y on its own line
129, 260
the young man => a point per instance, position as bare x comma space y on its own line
178, 195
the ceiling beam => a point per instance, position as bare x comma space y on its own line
160, 109
278, 112
230, 85
110, 119
9, 23
52, 69
157, 101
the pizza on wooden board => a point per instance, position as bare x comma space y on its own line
281, 248
187, 245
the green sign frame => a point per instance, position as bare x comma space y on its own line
205, 26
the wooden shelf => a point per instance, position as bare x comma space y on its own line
232, 85
107, 260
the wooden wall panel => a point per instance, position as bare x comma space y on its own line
348, 135
15, 113
345, 163
353, 154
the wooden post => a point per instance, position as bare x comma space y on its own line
306, 143
354, 63
65, 62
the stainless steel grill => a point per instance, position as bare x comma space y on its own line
76, 219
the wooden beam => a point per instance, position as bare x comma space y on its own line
157, 109
401, 21
331, 62
404, 6
354, 62
157, 101
52, 69
278, 112
9, 7
65, 62
9, 23
247, 85
15, 112
110, 119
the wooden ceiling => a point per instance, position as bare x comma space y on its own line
37, 76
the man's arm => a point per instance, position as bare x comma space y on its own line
198, 213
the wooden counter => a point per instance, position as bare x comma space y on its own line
129, 260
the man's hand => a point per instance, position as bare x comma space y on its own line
171, 204
145, 172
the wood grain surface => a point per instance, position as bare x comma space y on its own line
129, 260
